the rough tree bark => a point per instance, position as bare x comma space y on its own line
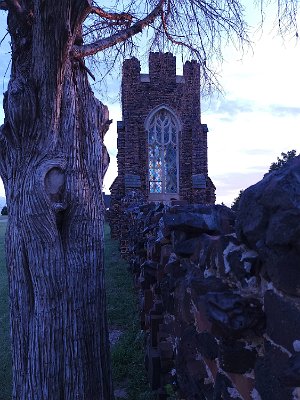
51, 163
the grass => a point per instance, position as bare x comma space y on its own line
5, 354
127, 354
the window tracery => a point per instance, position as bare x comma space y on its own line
163, 152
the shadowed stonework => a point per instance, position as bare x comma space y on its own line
220, 292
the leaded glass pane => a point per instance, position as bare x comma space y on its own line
162, 139
171, 168
151, 135
166, 133
155, 187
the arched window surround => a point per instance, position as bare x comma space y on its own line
167, 185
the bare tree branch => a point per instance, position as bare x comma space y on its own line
122, 18
171, 38
3, 6
120, 36
15, 6
87, 70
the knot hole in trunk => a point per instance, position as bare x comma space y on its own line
55, 189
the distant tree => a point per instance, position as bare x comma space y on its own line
4, 211
236, 201
285, 158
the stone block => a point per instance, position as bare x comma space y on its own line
207, 345
202, 323
282, 319
152, 363
233, 315
234, 357
165, 254
282, 266
244, 385
155, 321
291, 372
268, 370
224, 389
187, 247
191, 222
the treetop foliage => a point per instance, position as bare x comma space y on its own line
285, 157
236, 201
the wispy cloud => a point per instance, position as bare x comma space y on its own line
283, 111
227, 110
257, 152
239, 180
229, 107
236, 106
229, 185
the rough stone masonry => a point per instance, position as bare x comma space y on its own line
220, 292
159, 101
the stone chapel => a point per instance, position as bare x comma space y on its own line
162, 144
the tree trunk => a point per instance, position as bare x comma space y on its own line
51, 163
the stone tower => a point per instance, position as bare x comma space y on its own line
162, 144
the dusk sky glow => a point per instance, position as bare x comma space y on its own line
256, 119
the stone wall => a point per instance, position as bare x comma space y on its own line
220, 293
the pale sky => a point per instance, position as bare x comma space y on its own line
249, 127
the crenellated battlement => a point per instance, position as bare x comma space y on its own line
162, 66
191, 72
131, 70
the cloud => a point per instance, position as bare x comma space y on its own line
257, 152
227, 111
229, 185
228, 107
284, 111
236, 106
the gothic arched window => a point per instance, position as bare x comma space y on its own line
163, 130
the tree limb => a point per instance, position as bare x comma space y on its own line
3, 6
120, 18
81, 62
15, 6
121, 36
171, 38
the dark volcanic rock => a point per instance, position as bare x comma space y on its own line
283, 268
222, 388
187, 247
191, 222
208, 345
291, 375
268, 372
273, 198
200, 286
200, 219
190, 369
268, 221
283, 319
234, 357
234, 315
